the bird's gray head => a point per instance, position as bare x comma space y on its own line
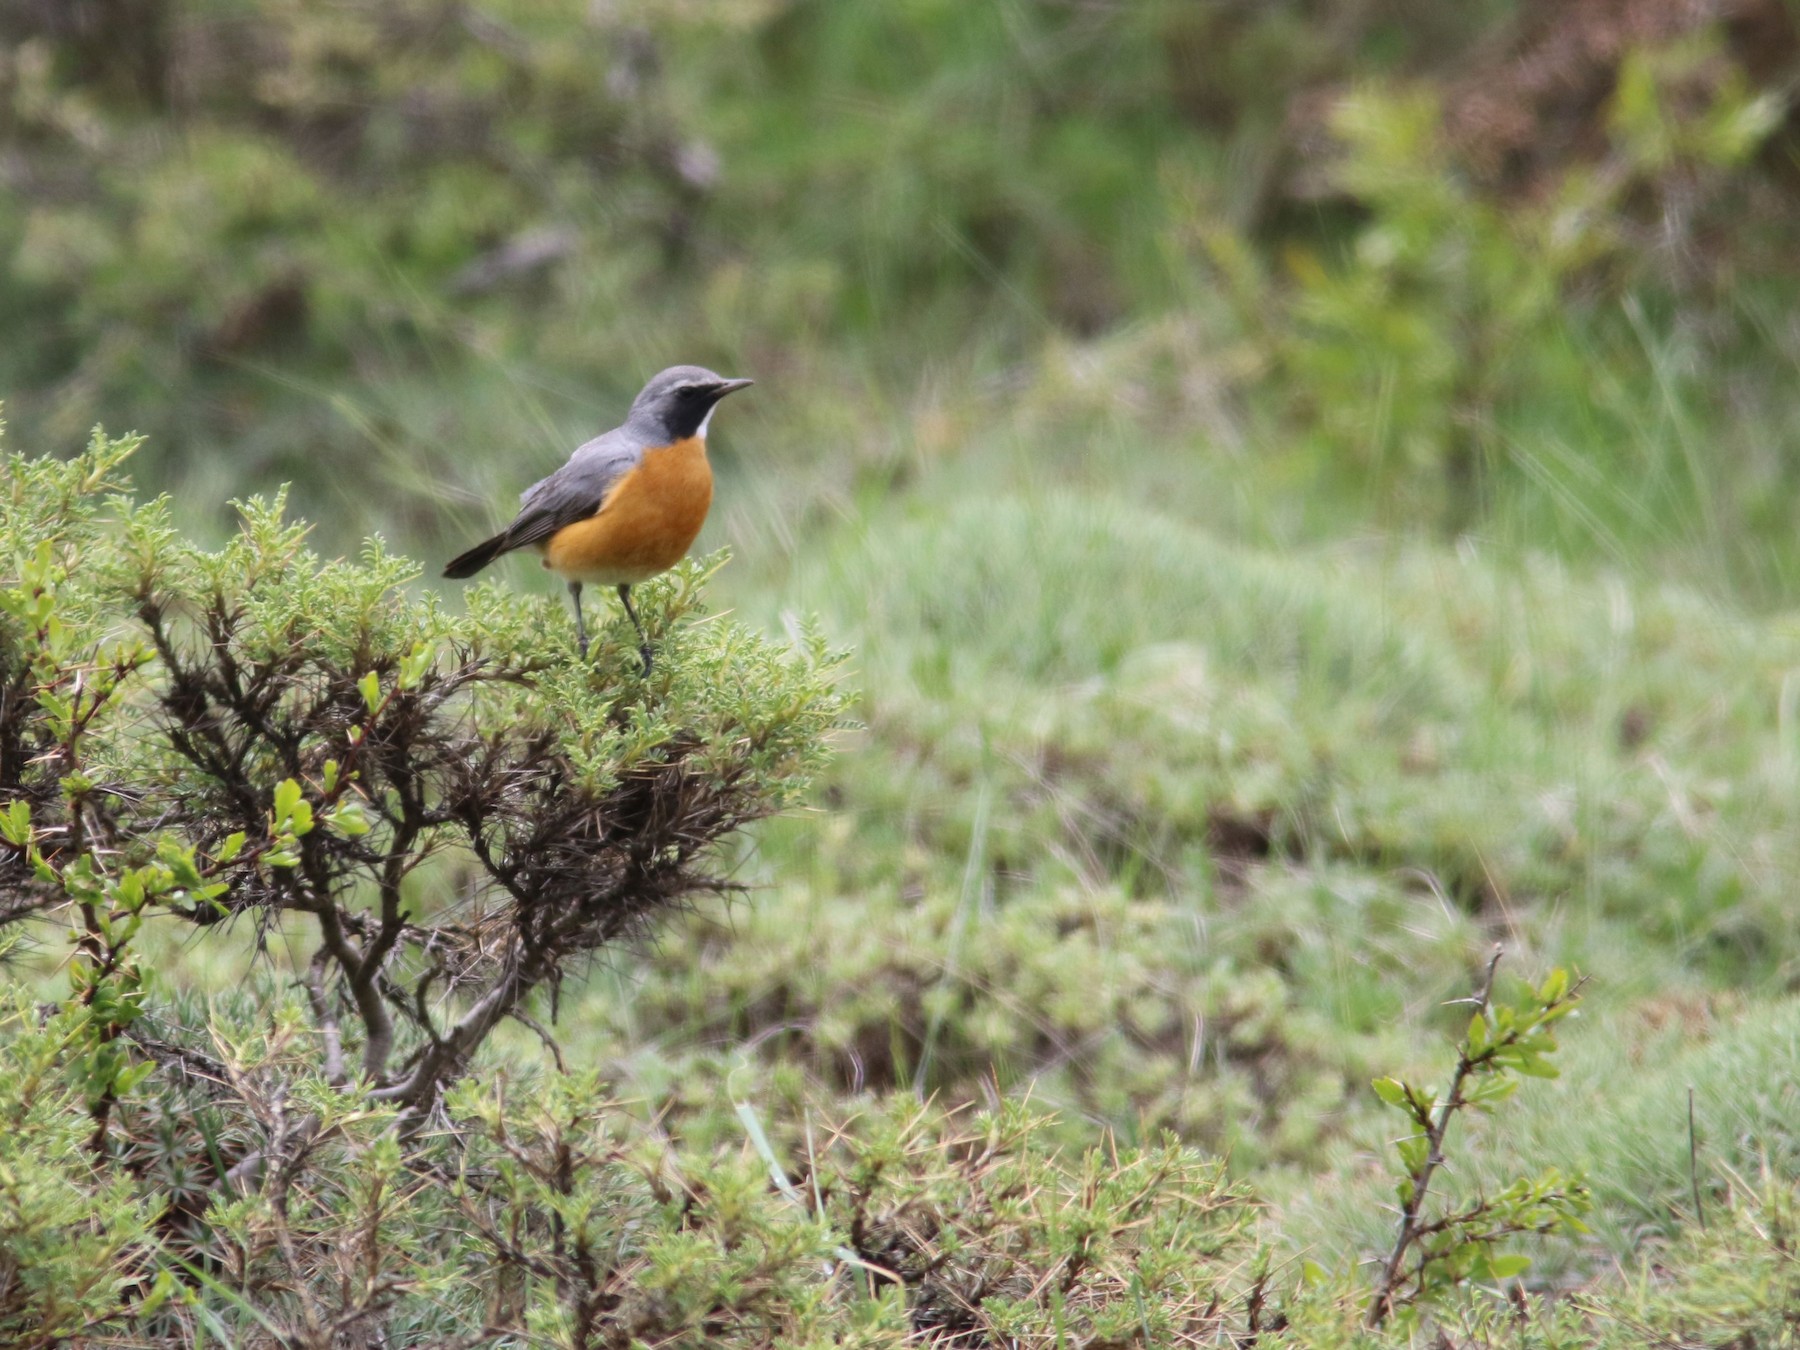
678, 402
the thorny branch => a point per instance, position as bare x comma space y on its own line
1499, 1043
1410, 1229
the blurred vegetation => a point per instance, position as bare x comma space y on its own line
1468, 267
1310, 486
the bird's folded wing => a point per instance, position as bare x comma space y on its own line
575, 491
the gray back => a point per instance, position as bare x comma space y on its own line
574, 492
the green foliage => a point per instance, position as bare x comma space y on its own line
1408, 353
1457, 338
900, 1224
1503, 1042
73, 1238
1730, 1282
374, 195
1735, 1279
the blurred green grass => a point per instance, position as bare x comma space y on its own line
1180, 832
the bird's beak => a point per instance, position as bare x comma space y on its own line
725, 387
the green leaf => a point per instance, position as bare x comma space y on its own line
416, 665
1391, 1090
370, 686
129, 1078
180, 862
232, 845
58, 710
348, 819
1491, 1091
287, 797
163, 1288
15, 824
1506, 1267
129, 891
1413, 1152
1477, 1034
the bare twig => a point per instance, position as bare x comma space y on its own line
524, 1018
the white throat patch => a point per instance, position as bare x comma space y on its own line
706, 421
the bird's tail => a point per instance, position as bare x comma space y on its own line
469, 563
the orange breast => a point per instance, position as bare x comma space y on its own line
646, 524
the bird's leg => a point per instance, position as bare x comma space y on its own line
580, 624
643, 642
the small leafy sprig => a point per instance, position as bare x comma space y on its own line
1503, 1043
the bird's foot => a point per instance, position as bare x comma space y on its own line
644, 651
581, 645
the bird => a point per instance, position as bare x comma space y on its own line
627, 504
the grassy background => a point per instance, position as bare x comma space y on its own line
1293, 536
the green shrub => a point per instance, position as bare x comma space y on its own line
454, 811
75, 1239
